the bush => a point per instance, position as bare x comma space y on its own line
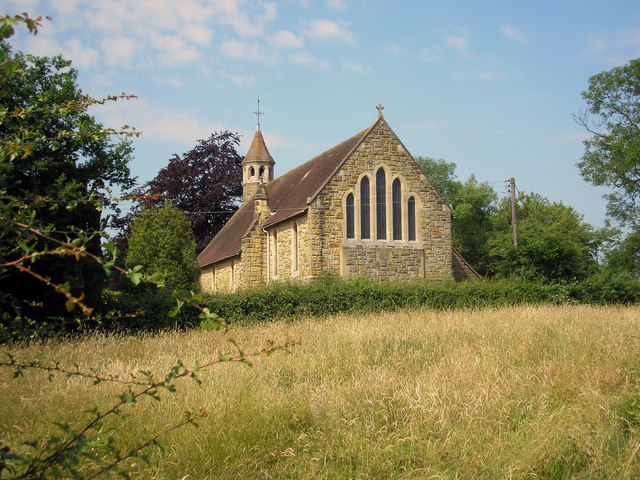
144, 308
161, 241
331, 295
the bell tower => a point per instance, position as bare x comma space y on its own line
257, 166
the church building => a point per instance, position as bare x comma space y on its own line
363, 207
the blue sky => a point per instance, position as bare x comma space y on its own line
489, 85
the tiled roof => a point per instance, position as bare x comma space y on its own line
288, 195
228, 241
258, 152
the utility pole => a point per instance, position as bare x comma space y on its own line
514, 218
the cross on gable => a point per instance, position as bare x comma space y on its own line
379, 108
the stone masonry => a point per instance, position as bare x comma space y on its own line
314, 239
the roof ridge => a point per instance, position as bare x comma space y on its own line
305, 164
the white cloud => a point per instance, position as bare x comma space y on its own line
198, 34
175, 82
597, 45
286, 39
356, 67
44, 44
159, 124
98, 84
308, 60
81, 55
118, 50
137, 33
241, 21
242, 80
460, 44
323, 29
241, 50
513, 33
433, 54
396, 50
616, 48
491, 76
175, 50
336, 4
19, 6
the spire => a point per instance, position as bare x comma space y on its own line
257, 166
257, 114
258, 152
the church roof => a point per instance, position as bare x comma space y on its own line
289, 195
228, 242
258, 152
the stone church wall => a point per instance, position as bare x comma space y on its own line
316, 241
220, 277
207, 280
429, 256
252, 267
391, 263
293, 250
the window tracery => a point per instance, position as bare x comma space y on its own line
390, 199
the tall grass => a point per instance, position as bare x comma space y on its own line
520, 392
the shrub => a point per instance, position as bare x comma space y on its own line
330, 295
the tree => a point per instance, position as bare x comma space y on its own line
442, 174
161, 242
55, 158
84, 447
623, 253
473, 207
612, 154
205, 184
473, 204
554, 243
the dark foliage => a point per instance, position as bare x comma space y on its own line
161, 242
205, 183
62, 163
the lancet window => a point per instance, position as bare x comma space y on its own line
390, 201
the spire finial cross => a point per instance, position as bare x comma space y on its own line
258, 113
379, 108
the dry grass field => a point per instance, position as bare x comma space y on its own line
525, 392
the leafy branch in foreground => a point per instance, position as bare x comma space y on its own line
58, 456
56, 162
27, 250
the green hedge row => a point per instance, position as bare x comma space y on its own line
330, 295
145, 308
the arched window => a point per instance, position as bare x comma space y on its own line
350, 217
411, 218
396, 193
261, 171
381, 205
252, 172
365, 231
